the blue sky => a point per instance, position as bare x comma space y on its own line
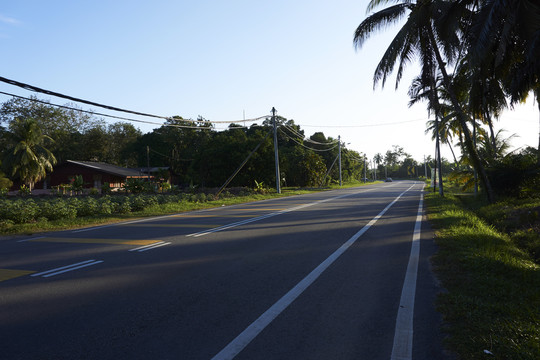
221, 60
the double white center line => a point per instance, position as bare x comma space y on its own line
67, 268
151, 246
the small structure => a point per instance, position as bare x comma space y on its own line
94, 174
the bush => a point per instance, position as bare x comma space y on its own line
20, 211
121, 205
24, 190
6, 224
198, 198
86, 206
57, 209
105, 205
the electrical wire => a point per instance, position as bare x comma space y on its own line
125, 118
304, 138
307, 147
363, 126
56, 94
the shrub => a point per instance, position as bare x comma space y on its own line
86, 206
106, 188
20, 211
198, 198
24, 190
105, 205
6, 224
121, 205
57, 209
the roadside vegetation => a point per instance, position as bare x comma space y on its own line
488, 263
33, 214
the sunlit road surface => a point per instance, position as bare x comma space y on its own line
334, 275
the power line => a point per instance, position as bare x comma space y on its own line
56, 94
81, 110
125, 118
363, 126
306, 138
307, 147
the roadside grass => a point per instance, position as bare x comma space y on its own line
491, 306
44, 225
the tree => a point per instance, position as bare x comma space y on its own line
27, 157
427, 31
64, 125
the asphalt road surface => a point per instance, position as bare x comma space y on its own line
334, 275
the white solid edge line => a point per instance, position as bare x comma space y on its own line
246, 336
73, 268
403, 335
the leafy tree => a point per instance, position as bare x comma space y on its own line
27, 156
63, 125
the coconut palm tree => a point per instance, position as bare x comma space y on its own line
428, 34
27, 156
505, 39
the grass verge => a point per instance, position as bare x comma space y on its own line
492, 304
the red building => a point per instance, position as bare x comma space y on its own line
94, 174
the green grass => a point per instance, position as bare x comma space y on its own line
493, 287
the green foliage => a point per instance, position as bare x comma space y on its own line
106, 188
76, 183
4, 192
24, 190
56, 209
28, 157
516, 175
260, 188
19, 211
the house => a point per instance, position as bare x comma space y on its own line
94, 174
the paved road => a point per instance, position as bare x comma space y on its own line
319, 276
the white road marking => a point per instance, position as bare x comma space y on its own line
258, 218
34, 238
67, 268
403, 336
246, 336
150, 247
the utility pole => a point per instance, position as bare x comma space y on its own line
339, 154
148, 161
365, 178
276, 154
425, 166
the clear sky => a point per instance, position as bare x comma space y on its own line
223, 60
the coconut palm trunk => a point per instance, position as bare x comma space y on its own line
462, 118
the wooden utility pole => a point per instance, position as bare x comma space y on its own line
276, 154
339, 154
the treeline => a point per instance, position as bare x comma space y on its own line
194, 151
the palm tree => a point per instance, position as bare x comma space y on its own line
506, 40
27, 157
426, 32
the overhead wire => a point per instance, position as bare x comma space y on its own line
56, 94
130, 119
304, 138
363, 126
307, 147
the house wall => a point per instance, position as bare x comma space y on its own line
91, 177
